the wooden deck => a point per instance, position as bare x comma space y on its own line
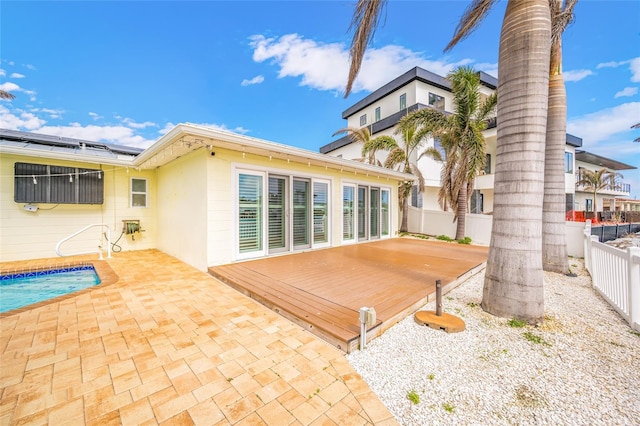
323, 290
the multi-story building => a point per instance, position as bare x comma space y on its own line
381, 110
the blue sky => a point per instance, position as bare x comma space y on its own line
126, 72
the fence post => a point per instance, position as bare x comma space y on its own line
587, 245
634, 287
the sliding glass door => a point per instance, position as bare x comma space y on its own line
250, 213
278, 226
320, 212
301, 214
365, 209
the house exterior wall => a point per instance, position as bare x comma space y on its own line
32, 235
221, 197
182, 209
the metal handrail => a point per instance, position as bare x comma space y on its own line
88, 252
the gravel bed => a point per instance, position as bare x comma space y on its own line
580, 367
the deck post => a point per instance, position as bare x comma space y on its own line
439, 298
363, 327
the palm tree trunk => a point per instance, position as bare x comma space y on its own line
461, 212
404, 226
513, 285
554, 246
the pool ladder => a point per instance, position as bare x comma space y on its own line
59, 253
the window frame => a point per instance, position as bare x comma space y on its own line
403, 101
377, 114
568, 162
363, 120
145, 193
434, 99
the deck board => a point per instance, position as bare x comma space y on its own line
323, 290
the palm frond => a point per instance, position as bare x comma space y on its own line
364, 22
471, 18
561, 17
6, 95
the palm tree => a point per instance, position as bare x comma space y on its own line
514, 278
554, 246
399, 158
6, 95
461, 137
596, 181
362, 136
636, 126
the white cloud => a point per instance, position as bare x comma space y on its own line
2, 72
8, 86
635, 70
53, 113
325, 66
19, 120
167, 127
627, 91
576, 75
240, 130
120, 135
17, 75
491, 69
131, 123
598, 127
95, 115
255, 80
30, 67
611, 64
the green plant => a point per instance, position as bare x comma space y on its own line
444, 238
635, 333
413, 396
516, 323
465, 240
472, 304
431, 376
403, 234
533, 338
448, 407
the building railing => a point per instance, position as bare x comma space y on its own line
615, 274
610, 186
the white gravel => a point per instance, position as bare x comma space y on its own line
585, 370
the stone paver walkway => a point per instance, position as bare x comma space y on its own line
168, 344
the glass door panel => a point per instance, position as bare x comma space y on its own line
384, 212
362, 213
320, 213
375, 213
277, 228
348, 196
301, 214
249, 213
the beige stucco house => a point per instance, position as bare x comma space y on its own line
203, 195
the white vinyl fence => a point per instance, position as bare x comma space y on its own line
615, 274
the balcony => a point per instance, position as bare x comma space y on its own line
614, 188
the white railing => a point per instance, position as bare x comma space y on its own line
615, 274
59, 253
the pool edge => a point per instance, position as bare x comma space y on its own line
105, 273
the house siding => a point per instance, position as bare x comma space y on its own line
32, 235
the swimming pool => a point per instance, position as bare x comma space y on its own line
25, 288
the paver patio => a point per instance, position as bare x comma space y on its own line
168, 344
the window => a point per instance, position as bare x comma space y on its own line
363, 119
588, 205
568, 202
250, 213
348, 210
41, 183
476, 202
487, 164
139, 196
436, 101
437, 144
377, 114
403, 101
568, 162
416, 197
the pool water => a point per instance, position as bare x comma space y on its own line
25, 288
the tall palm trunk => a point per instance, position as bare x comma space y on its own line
554, 246
513, 284
462, 212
